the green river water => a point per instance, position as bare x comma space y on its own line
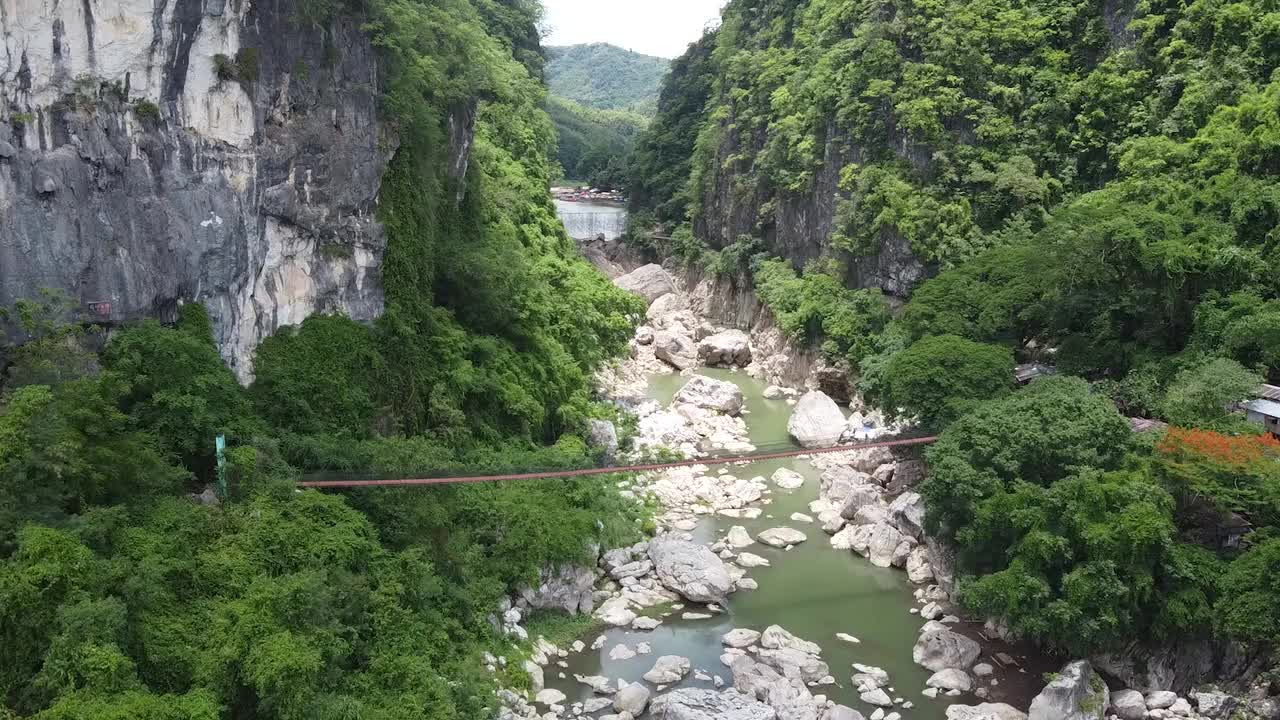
813, 590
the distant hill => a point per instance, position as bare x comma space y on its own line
606, 77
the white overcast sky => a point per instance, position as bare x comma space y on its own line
653, 27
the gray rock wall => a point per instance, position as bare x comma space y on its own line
740, 201
135, 178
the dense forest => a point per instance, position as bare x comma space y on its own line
593, 146
601, 98
1092, 185
121, 598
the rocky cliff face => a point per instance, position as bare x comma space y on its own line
155, 152
798, 227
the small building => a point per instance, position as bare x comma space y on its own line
1266, 412
1027, 372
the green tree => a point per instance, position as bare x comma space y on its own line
942, 377
1205, 396
1054, 427
1246, 609
179, 389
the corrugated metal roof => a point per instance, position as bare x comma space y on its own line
1270, 392
1264, 407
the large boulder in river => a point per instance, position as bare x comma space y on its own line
816, 420
668, 669
649, 282
1075, 693
940, 648
705, 704
690, 569
729, 348
717, 395
781, 537
675, 349
632, 698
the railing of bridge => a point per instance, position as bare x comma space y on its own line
331, 480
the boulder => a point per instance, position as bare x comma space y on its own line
950, 679
836, 483
795, 663
985, 711
776, 637
1160, 699
876, 697
738, 537
550, 696
668, 669
787, 479
816, 420
648, 281
740, 638
919, 571
780, 537
689, 569
1215, 704
858, 495
751, 560
907, 513
940, 648
633, 698
603, 436
536, 679
718, 395
843, 712
674, 349
615, 612
729, 348
1075, 693
705, 704
883, 545
1128, 704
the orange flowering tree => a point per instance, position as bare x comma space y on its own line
1237, 473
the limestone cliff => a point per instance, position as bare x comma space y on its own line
155, 152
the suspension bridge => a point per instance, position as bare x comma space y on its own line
759, 454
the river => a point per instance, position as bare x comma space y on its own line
812, 590
587, 221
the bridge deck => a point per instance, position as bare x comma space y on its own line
614, 469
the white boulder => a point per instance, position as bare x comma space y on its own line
816, 420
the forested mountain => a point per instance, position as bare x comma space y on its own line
605, 77
120, 597
1089, 184
601, 97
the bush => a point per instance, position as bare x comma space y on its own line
147, 111
247, 65
224, 68
817, 307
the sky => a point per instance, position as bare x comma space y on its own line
653, 27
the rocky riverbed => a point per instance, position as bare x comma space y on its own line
792, 589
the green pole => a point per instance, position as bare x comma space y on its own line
220, 445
